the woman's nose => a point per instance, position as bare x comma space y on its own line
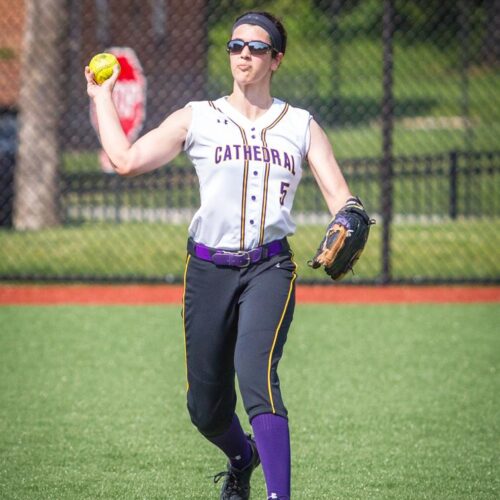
246, 51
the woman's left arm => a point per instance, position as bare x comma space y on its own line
326, 170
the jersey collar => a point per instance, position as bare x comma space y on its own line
264, 120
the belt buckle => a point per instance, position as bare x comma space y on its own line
235, 255
242, 253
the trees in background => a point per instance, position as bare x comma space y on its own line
40, 108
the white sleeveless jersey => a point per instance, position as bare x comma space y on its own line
248, 171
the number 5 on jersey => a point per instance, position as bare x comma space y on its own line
283, 190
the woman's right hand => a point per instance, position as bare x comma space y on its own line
94, 90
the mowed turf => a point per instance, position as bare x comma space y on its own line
385, 402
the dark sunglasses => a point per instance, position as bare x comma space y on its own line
256, 47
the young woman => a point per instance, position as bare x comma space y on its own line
247, 149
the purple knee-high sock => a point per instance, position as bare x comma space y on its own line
234, 444
273, 443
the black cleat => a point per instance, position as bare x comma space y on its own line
237, 482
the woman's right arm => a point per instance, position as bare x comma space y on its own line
151, 151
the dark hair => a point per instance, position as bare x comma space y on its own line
279, 26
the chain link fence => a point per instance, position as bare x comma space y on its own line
407, 92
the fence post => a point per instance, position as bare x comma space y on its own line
453, 184
387, 129
118, 197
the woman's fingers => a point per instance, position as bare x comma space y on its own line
89, 76
110, 82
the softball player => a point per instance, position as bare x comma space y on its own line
239, 281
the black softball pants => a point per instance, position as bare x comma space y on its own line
236, 322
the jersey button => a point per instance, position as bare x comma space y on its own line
251, 221
255, 172
253, 198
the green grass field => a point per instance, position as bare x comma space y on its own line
385, 402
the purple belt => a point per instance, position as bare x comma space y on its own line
237, 258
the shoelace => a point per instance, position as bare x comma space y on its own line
220, 475
232, 485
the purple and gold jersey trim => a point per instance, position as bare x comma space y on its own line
245, 180
266, 174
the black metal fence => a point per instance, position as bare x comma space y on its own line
449, 186
446, 209
406, 91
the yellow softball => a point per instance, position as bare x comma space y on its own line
102, 66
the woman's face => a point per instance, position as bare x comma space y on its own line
248, 68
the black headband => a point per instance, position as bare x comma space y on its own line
264, 23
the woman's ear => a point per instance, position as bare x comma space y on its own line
276, 61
